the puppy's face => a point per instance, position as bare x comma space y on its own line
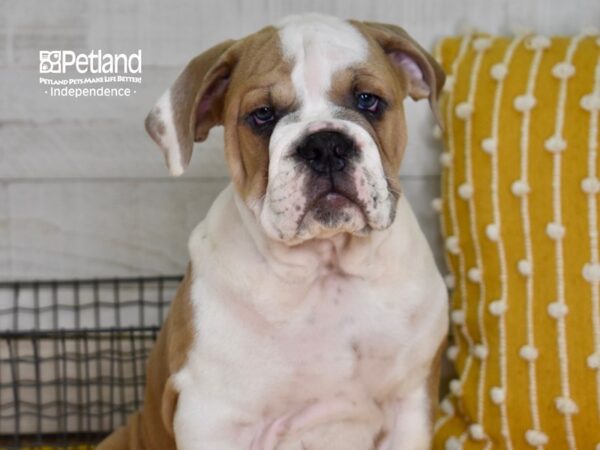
314, 122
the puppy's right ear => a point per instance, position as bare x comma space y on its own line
192, 106
425, 76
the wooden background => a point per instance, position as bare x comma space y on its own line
83, 190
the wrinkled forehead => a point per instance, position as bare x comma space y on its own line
318, 47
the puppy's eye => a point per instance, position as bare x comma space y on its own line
368, 102
263, 115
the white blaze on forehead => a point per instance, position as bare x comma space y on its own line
318, 46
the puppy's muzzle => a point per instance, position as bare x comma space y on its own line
326, 152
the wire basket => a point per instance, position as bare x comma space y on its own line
72, 356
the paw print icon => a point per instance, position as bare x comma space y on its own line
50, 61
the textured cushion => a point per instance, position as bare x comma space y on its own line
520, 217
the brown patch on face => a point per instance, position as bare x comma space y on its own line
405, 55
376, 76
261, 78
352, 115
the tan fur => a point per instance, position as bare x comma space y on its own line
151, 427
195, 82
433, 381
392, 38
261, 78
378, 77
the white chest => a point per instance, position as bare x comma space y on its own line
340, 347
310, 348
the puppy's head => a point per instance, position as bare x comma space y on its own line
313, 116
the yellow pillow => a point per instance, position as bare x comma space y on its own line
520, 215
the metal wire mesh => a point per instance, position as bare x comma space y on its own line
72, 356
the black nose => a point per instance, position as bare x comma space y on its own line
326, 151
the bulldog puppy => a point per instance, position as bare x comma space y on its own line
312, 314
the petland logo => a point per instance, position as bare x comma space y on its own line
95, 62
93, 68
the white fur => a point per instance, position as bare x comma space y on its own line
319, 46
168, 140
320, 344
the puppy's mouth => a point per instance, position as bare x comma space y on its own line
332, 202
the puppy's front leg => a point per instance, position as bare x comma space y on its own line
205, 423
411, 423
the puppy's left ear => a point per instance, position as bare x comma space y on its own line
425, 76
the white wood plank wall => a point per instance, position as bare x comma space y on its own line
83, 192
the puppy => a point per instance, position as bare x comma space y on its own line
312, 314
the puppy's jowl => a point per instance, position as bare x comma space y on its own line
312, 314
